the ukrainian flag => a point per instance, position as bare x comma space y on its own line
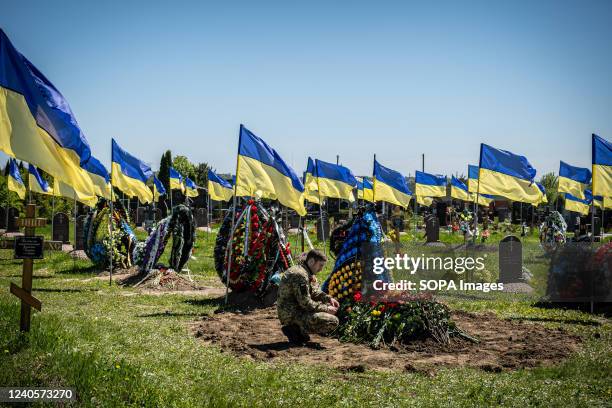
602, 167
576, 204
430, 185
390, 186
484, 199
219, 189
472, 178
36, 123
261, 172
176, 180
573, 180
508, 175
425, 201
14, 180
158, 189
61, 189
191, 190
130, 175
544, 199
311, 190
335, 181
37, 183
459, 190
99, 177
364, 189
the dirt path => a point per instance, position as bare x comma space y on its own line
505, 345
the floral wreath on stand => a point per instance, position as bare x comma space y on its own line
259, 249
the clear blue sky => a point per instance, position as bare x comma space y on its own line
315, 78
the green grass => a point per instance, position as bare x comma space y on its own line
121, 348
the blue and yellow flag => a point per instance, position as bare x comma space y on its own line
484, 199
14, 180
335, 181
506, 174
130, 174
573, 180
36, 123
261, 172
311, 190
158, 189
472, 178
602, 167
191, 190
176, 180
390, 186
36, 182
99, 177
365, 189
219, 189
430, 185
459, 190
576, 204
61, 189
424, 201
543, 199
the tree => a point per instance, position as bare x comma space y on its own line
184, 166
201, 174
551, 184
164, 169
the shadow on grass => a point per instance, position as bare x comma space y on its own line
66, 290
285, 345
173, 314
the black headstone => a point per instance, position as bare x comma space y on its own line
294, 221
441, 212
158, 214
13, 214
432, 229
80, 233
510, 259
61, 228
201, 218
140, 216
2, 218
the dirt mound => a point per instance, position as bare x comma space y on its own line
504, 344
163, 280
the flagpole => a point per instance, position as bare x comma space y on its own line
321, 210
52, 214
229, 258
110, 218
75, 219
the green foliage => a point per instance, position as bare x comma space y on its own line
551, 183
164, 169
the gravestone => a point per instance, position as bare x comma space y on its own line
323, 233
294, 221
13, 213
432, 229
2, 218
61, 228
140, 216
501, 215
132, 214
383, 222
79, 239
441, 212
510, 260
158, 214
200, 216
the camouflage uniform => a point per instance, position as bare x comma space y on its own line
301, 302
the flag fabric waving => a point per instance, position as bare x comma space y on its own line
99, 177
191, 190
459, 190
430, 185
334, 181
311, 190
364, 189
602, 167
576, 204
176, 180
508, 175
219, 189
36, 182
390, 186
473, 178
543, 199
573, 180
425, 201
261, 172
36, 123
158, 189
14, 180
130, 174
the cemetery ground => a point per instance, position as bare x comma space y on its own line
125, 346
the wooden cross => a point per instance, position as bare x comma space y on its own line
28, 248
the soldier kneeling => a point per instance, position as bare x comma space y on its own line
302, 307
